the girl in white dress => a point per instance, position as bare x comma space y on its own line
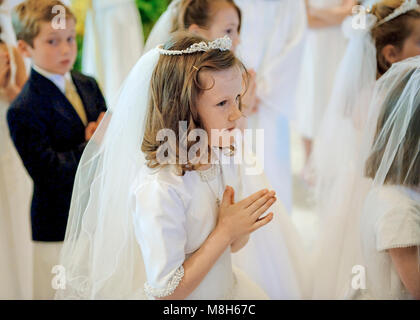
213, 19
390, 35
15, 187
324, 48
390, 221
137, 189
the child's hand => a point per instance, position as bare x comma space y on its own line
90, 130
348, 5
8, 89
242, 218
101, 116
92, 126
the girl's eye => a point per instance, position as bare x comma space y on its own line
229, 31
52, 42
222, 104
70, 39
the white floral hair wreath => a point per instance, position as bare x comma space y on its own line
406, 6
222, 44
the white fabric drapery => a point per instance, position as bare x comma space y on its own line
113, 43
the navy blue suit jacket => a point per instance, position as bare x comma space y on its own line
50, 138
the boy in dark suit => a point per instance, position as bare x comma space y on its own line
50, 123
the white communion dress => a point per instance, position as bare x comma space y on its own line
324, 49
113, 43
15, 197
390, 219
181, 213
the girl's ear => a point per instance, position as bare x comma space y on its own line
391, 53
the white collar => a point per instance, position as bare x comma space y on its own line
58, 79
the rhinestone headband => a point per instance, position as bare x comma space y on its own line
222, 44
407, 5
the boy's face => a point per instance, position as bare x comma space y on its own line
54, 50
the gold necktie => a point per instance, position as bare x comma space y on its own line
76, 102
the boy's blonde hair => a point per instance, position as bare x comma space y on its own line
27, 17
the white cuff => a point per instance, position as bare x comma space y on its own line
170, 288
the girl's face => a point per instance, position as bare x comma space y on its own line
411, 46
225, 21
218, 107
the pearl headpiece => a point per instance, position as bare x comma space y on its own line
222, 44
407, 5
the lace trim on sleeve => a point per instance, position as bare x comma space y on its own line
170, 288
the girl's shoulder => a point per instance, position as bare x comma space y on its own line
161, 181
397, 216
395, 196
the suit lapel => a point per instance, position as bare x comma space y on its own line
58, 100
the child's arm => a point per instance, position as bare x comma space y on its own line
11, 88
21, 75
32, 142
239, 244
235, 221
407, 263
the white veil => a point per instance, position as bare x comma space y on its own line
163, 26
348, 107
100, 254
401, 87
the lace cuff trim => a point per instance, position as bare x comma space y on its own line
170, 288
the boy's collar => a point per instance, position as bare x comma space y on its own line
58, 79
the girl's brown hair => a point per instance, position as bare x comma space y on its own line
405, 168
393, 32
175, 88
198, 12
